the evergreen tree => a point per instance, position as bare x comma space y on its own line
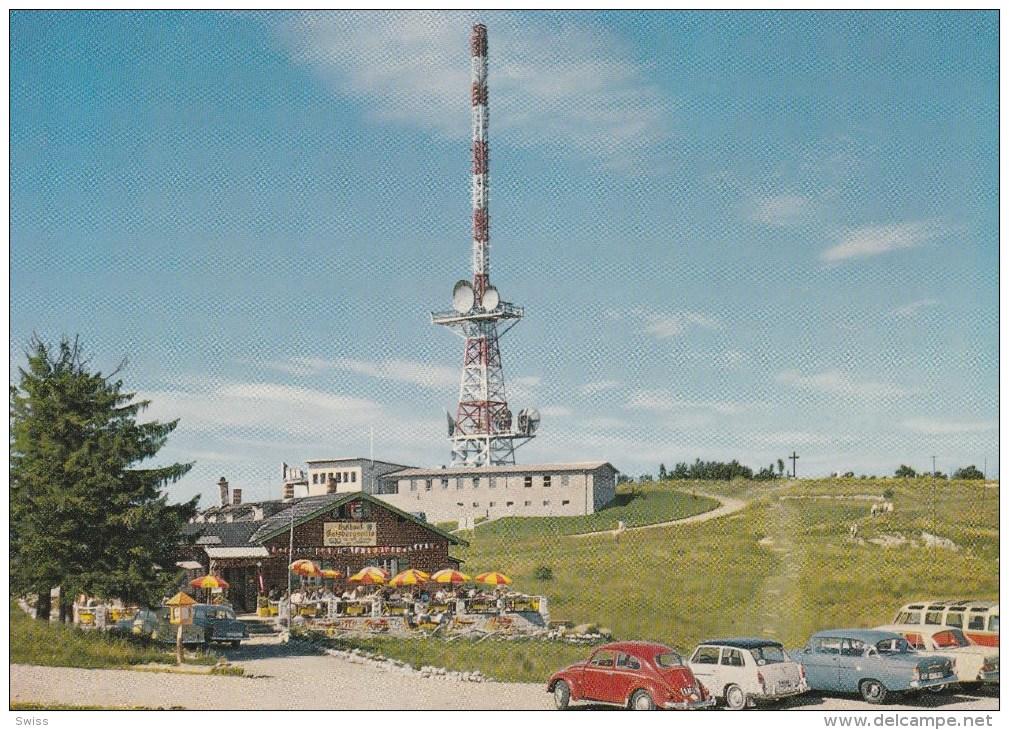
968, 472
662, 473
84, 514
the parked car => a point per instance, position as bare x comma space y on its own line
872, 663
744, 671
971, 662
978, 619
154, 625
638, 675
219, 623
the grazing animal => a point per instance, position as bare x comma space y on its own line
853, 530
874, 510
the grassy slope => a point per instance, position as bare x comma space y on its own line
56, 645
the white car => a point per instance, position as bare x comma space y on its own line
744, 671
972, 663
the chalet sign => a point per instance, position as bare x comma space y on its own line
339, 534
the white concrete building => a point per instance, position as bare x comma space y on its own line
528, 490
350, 475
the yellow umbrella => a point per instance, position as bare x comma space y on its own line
410, 577
493, 579
370, 575
305, 567
448, 575
330, 573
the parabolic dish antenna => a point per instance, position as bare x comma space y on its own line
462, 296
491, 299
529, 421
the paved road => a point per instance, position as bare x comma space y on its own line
285, 677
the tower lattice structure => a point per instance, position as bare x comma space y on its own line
481, 432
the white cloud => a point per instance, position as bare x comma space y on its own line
663, 325
405, 371
780, 210
936, 427
555, 411
912, 308
839, 382
599, 386
875, 240
662, 401
566, 88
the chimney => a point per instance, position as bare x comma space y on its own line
236, 496
288, 492
223, 484
331, 486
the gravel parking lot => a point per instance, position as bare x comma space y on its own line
273, 668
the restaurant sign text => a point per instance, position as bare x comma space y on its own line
338, 534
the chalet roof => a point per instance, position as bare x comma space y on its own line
504, 469
229, 534
308, 508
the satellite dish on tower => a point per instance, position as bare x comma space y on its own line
462, 296
491, 299
451, 423
529, 421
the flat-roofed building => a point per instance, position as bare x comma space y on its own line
348, 475
528, 490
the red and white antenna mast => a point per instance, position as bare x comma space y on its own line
482, 433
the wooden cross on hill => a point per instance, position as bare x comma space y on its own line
794, 457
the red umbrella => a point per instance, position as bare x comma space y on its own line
208, 582
493, 579
370, 575
305, 567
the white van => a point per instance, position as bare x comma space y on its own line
977, 619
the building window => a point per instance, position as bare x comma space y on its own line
444, 482
346, 476
509, 504
476, 504
353, 476
458, 483
546, 502
565, 478
476, 482
338, 475
546, 480
529, 481
565, 501
491, 504
413, 485
528, 503
493, 482
315, 479
427, 485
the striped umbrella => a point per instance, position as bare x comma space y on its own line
493, 579
305, 567
448, 575
208, 582
370, 575
409, 577
330, 573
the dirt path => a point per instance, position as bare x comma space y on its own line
727, 506
775, 602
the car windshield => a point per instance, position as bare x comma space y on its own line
769, 654
894, 646
668, 659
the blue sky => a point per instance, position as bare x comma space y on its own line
735, 234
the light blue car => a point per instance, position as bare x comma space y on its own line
872, 663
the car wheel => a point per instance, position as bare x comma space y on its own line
562, 695
873, 691
641, 700
735, 698
236, 642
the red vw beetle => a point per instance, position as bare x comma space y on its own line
639, 675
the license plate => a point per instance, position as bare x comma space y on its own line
935, 675
782, 686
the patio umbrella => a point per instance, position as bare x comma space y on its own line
449, 576
409, 577
493, 579
330, 573
370, 575
208, 582
305, 567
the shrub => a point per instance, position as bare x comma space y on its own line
543, 572
887, 493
